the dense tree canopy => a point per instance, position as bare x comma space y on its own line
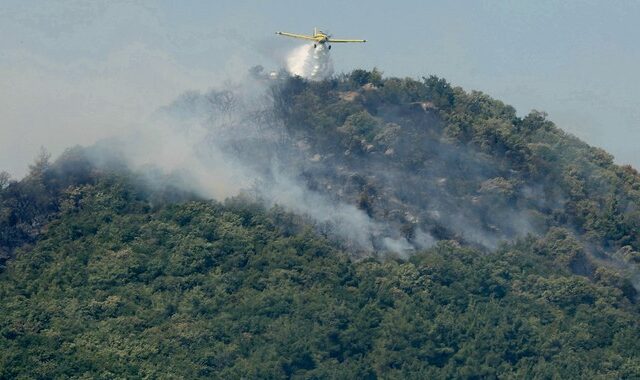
105, 276
118, 287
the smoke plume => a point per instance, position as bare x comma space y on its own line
224, 142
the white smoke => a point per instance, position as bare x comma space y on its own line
310, 62
215, 145
352, 225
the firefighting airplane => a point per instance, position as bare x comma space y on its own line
319, 37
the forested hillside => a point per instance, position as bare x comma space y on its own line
496, 246
458, 165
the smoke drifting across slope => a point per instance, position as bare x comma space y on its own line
310, 62
227, 142
384, 183
232, 140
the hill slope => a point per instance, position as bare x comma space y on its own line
520, 243
116, 287
457, 164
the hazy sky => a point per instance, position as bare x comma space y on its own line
74, 71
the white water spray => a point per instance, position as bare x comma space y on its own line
310, 63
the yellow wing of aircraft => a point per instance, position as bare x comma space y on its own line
318, 37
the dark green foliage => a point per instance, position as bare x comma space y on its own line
361, 77
429, 130
27, 206
199, 289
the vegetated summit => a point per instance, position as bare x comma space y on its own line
501, 247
